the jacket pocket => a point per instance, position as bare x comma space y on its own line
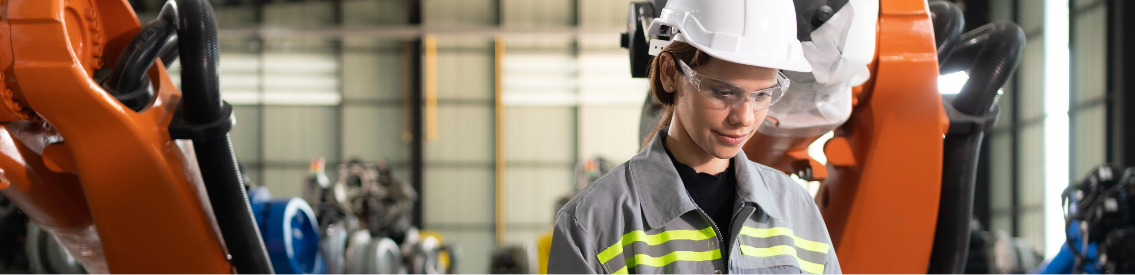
779, 264
784, 269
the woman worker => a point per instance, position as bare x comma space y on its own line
691, 201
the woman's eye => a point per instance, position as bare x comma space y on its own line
761, 97
722, 93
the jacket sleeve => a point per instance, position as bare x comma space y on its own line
808, 204
832, 266
573, 251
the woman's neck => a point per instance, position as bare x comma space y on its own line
686, 151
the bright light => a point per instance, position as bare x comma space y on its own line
1056, 121
816, 151
952, 83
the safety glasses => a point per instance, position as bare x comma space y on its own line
723, 94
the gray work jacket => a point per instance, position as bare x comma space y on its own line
639, 219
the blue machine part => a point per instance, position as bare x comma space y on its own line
1061, 264
1065, 260
290, 232
258, 197
293, 235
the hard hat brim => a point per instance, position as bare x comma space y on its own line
767, 60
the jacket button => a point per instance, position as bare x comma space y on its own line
717, 272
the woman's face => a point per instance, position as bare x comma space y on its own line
720, 132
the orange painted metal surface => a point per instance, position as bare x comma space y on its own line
879, 195
52, 199
880, 200
104, 163
789, 155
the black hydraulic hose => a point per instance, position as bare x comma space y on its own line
989, 54
200, 54
948, 23
129, 73
955, 209
168, 53
201, 105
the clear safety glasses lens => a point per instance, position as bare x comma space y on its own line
728, 95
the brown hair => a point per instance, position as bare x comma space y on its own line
682, 51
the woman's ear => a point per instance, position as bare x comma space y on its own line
667, 73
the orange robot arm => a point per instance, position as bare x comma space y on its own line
75, 159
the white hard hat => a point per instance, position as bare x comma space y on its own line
751, 32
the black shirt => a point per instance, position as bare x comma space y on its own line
714, 194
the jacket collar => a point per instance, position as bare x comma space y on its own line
664, 198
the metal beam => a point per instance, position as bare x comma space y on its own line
413, 66
1015, 144
258, 16
1120, 87
340, 109
498, 111
410, 31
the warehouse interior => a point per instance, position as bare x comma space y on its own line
308, 92
495, 112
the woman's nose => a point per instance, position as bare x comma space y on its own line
743, 114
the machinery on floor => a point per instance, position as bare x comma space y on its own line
1099, 220
364, 221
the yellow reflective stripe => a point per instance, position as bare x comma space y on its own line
811, 267
621, 271
640, 236
807, 266
781, 231
768, 252
689, 256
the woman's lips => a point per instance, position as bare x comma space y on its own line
731, 139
